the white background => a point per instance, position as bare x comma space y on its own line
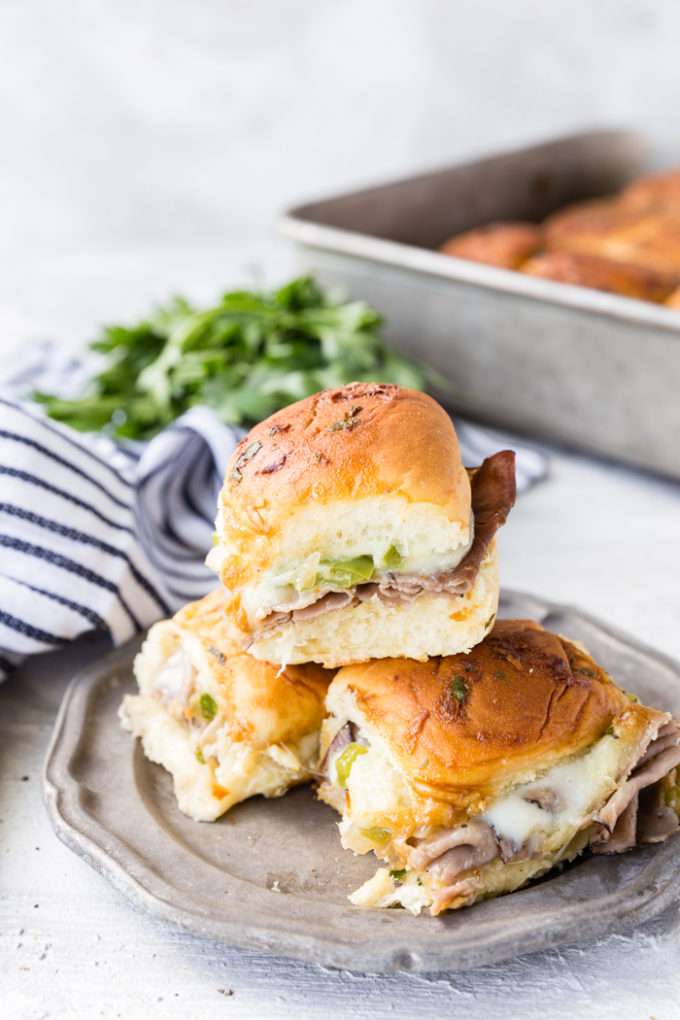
148, 145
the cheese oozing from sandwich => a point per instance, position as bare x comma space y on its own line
472, 774
225, 725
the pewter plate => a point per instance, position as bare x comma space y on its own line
272, 876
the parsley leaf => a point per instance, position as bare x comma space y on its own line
458, 689
246, 357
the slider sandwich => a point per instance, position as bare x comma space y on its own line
471, 774
225, 725
348, 529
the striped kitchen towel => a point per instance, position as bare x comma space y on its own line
98, 535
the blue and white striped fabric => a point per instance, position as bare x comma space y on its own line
96, 535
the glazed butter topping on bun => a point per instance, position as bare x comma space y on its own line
225, 725
348, 528
471, 774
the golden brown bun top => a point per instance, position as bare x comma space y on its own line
588, 220
586, 270
656, 191
364, 439
496, 244
465, 726
263, 704
608, 227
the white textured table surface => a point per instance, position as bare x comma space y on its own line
600, 537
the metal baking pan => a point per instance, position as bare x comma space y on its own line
592, 370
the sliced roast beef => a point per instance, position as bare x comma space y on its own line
449, 853
372, 590
465, 889
308, 608
623, 833
656, 819
546, 799
626, 819
332, 600
493, 496
666, 737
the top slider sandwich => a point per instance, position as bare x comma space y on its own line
348, 529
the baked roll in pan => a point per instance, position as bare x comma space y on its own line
582, 243
611, 275
506, 245
610, 229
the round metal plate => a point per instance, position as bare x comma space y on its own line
271, 874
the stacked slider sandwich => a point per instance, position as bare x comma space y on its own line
348, 530
469, 757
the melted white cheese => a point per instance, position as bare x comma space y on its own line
576, 786
514, 818
171, 678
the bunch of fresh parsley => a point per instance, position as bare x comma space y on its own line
250, 355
